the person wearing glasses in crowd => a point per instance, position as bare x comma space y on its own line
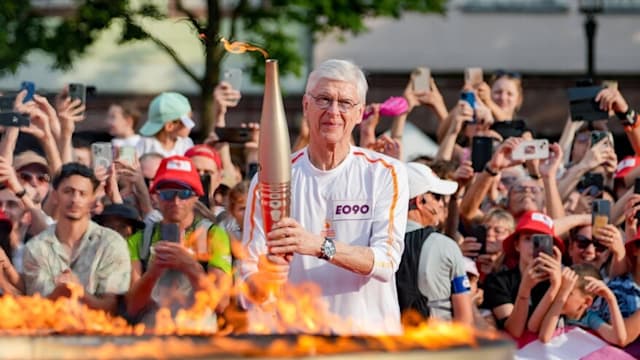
203, 248
504, 97
348, 212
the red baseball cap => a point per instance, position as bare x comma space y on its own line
532, 222
177, 170
205, 151
626, 165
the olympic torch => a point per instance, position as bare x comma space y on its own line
274, 152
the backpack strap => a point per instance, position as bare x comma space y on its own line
144, 248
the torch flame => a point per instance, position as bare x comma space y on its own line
239, 47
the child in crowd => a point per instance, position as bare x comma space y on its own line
168, 116
580, 285
122, 120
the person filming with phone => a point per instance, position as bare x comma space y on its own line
194, 247
521, 296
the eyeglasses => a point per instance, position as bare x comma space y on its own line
535, 190
182, 194
583, 242
28, 177
511, 74
324, 102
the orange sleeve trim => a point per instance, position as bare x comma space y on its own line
252, 223
394, 200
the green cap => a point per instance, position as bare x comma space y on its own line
166, 107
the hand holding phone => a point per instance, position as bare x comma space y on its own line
127, 154
237, 135
234, 78
597, 136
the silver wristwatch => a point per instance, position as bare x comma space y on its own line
328, 249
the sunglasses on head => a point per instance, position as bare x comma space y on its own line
28, 177
182, 194
511, 74
583, 242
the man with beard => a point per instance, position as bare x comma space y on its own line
76, 251
203, 246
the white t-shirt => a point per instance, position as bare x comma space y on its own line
363, 201
129, 141
152, 145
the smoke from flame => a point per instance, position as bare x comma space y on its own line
239, 47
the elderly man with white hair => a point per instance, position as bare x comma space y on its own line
348, 212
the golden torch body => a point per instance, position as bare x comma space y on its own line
274, 152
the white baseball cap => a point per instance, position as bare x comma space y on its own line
423, 180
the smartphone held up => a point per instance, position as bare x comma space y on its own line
421, 79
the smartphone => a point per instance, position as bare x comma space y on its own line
481, 152
238, 135
6, 102
205, 180
542, 243
101, 154
531, 150
610, 84
421, 79
473, 76
14, 119
510, 128
127, 154
583, 105
234, 77
30, 86
601, 210
591, 179
78, 91
170, 232
597, 136
470, 98
480, 233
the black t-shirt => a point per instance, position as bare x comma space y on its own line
502, 288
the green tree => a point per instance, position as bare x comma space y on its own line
265, 23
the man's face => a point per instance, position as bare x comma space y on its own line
206, 165
333, 123
12, 206
173, 207
526, 195
37, 177
75, 196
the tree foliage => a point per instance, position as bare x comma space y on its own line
267, 23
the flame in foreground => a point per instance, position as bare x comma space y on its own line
239, 47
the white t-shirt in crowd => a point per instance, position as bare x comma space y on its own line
128, 141
363, 201
152, 145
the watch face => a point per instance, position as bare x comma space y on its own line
328, 248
